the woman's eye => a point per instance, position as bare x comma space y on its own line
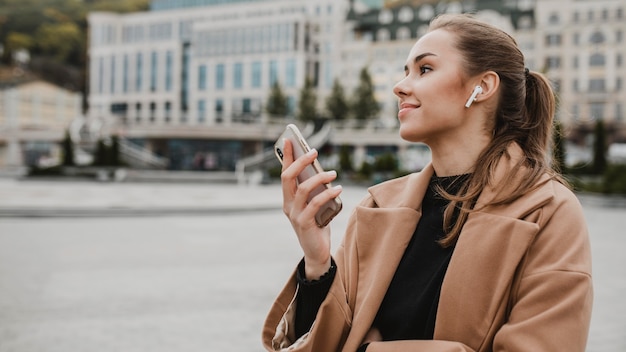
424, 69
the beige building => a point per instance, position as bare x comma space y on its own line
33, 119
581, 47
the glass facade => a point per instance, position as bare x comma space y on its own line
219, 76
238, 75
139, 73
290, 73
169, 62
256, 74
273, 72
264, 38
126, 75
153, 71
202, 77
160, 5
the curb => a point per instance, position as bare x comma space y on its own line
129, 212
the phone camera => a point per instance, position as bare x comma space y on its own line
280, 152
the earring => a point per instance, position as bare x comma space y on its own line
472, 98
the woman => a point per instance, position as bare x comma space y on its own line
484, 250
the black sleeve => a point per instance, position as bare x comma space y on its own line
311, 294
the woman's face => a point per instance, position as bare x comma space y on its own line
433, 93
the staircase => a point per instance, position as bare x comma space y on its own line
251, 169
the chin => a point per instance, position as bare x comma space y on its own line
410, 135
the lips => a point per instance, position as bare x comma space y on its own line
405, 108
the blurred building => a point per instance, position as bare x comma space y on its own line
581, 47
34, 115
189, 79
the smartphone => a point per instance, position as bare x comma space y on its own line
300, 147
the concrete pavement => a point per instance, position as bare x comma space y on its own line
88, 266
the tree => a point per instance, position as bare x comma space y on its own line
307, 105
68, 150
599, 148
364, 104
277, 105
59, 40
558, 143
336, 103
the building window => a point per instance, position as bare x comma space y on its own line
619, 36
619, 14
138, 112
597, 38
273, 72
605, 14
553, 40
403, 33
152, 112
554, 18
553, 62
113, 73
201, 110
576, 17
576, 38
597, 60
219, 76
290, 73
238, 75
596, 111
590, 15
618, 60
153, 71
169, 58
406, 14
100, 75
556, 85
139, 73
575, 87
618, 84
575, 61
202, 77
256, 74
619, 112
575, 112
383, 35
168, 111
125, 73
597, 85
219, 110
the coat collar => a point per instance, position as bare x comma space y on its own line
493, 241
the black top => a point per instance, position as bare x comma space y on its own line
409, 308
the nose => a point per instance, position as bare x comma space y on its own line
401, 89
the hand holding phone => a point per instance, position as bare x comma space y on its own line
300, 147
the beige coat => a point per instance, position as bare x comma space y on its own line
519, 278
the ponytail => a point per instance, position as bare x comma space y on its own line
540, 107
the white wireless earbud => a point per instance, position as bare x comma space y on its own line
472, 98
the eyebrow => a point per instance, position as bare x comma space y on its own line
418, 58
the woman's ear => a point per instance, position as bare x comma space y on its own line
489, 82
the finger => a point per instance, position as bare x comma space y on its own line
312, 185
307, 216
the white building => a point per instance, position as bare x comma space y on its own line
201, 70
581, 46
209, 65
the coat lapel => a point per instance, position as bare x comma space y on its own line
383, 233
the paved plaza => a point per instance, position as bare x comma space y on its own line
87, 266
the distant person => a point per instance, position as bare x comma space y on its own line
485, 249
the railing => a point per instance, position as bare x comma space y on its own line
138, 156
248, 168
